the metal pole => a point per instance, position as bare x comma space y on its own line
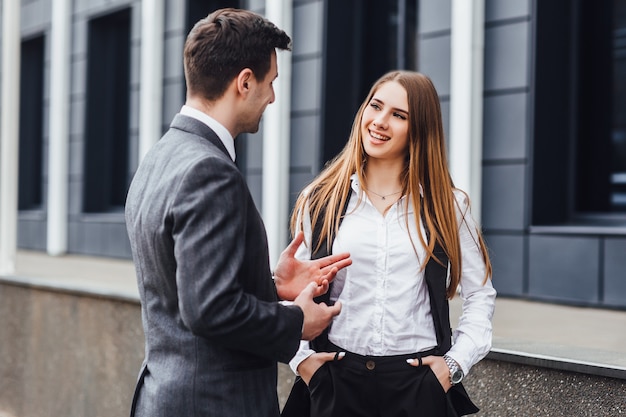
466, 97
276, 138
58, 158
9, 149
151, 88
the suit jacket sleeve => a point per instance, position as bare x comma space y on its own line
218, 235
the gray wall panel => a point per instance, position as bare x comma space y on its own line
173, 99
304, 148
78, 106
79, 37
307, 38
503, 197
256, 5
255, 183
434, 15
133, 109
564, 267
506, 9
75, 196
135, 64
94, 234
79, 77
434, 61
299, 181
445, 115
507, 258
505, 122
173, 56
117, 244
254, 150
506, 56
174, 17
35, 17
615, 272
75, 237
76, 151
31, 233
133, 154
306, 85
135, 21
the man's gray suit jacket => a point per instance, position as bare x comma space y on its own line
214, 330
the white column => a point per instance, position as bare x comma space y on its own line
9, 149
466, 97
151, 79
58, 154
276, 134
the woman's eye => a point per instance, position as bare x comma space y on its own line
375, 105
399, 116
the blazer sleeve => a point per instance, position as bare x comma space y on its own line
209, 223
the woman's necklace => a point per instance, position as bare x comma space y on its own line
383, 196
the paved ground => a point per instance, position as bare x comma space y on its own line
584, 334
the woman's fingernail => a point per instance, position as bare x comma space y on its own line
410, 361
342, 354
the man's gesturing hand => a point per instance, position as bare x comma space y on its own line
292, 275
316, 316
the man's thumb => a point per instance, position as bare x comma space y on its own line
309, 290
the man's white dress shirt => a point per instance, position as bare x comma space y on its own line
217, 127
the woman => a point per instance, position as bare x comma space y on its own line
389, 200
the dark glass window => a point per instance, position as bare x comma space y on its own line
579, 148
618, 125
107, 116
31, 124
364, 40
198, 9
601, 125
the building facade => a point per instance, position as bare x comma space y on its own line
552, 194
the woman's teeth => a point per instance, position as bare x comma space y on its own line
379, 137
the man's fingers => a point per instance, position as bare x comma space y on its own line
322, 288
309, 290
335, 308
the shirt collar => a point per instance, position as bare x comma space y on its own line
214, 125
356, 185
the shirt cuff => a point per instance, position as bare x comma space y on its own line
302, 353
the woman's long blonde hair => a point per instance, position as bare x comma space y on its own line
426, 165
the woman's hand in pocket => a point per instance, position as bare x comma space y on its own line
310, 365
440, 369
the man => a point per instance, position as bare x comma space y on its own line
213, 327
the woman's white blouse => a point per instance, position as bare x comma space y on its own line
384, 297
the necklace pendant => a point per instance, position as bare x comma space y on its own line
383, 198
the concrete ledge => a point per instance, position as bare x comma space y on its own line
501, 389
81, 288
559, 363
67, 354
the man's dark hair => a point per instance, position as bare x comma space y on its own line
224, 43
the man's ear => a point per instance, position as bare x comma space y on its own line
245, 78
